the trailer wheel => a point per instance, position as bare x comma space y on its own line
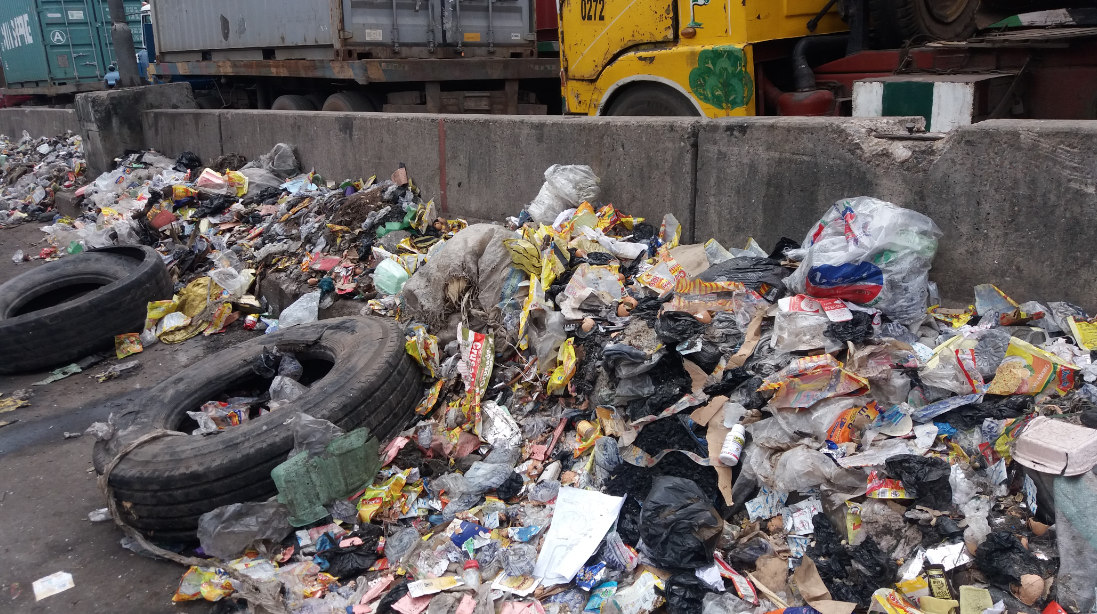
292, 102
897, 21
349, 102
653, 100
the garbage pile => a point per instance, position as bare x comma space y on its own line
32, 171
619, 422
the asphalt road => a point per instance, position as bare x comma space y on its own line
47, 485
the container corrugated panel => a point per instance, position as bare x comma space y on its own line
21, 44
445, 22
202, 25
70, 40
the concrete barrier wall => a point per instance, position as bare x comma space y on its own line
1017, 200
38, 121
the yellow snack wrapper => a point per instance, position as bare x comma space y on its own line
237, 180
430, 399
377, 498
127, 344
525, 255
423, 347
1084, 332
558, 381
1026, 369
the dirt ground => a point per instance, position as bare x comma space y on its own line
47, 485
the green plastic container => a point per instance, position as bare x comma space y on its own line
305, 485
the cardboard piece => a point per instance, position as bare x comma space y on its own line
692, 258
815, 593
716, 435
702, 415
750, 341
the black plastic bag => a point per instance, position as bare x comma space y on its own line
395, 594
600, 258
674, 327
753, 272
1001, 408
856, 330
879, 566
510, 487
214, 206
266, 365
1003, 560
783, 245
350, 561
685, 594
925, 478
729, 381
187, 161
679, 525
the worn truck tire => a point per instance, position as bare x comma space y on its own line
164, 485
64, 310
897, 21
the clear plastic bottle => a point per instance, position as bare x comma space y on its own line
472, 575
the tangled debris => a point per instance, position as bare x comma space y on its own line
585, 369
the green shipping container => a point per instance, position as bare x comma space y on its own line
50, 43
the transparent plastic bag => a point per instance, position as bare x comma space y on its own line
482, 477
228, 530
546, 334
290, 367
234, 283
303, 311
565, 187
284, 389
312, 434
546, 491
872, 253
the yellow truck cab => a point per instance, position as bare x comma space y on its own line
674, 57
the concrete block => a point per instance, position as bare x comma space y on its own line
341, 145
65, 202
111, 120
37, 121
172, 132
495, 165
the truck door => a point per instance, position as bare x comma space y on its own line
71, 41
593, 32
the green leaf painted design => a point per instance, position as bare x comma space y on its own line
721, 78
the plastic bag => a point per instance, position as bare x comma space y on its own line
685, 594
724, 603
390, 277
286, 389
678, 524
312, 434
565, 187
280, 160
233, 282
1003, 560
302, 311
925, 478
869, 252
228, 530
546, 335
762, 275
290, 367
482, 477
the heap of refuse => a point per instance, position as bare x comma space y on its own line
615, 421
32, 171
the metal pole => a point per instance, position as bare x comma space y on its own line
124, 53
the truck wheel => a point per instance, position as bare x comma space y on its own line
292, 102
897, 21
65, 310
358, 374
651, 99
349, 102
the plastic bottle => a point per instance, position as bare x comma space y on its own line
733, 445
472, 575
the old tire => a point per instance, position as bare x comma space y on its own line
349, 102
895, 22
292, 102
65, 310
650, 99
166, 484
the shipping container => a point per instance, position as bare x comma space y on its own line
59, 46
198, 30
